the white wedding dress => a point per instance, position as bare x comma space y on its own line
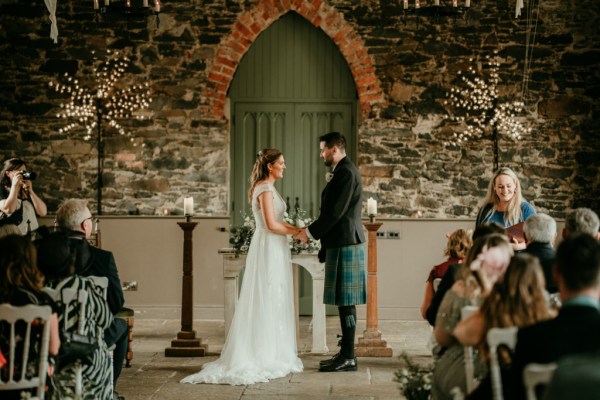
261, 343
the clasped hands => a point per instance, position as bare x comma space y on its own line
301, 236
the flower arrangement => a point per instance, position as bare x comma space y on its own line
301, 219
240, 236
414, 380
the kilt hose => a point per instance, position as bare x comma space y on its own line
345, 276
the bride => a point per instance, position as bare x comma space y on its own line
261, 343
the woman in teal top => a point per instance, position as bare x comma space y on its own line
504, 203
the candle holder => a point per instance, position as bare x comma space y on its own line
372, 218
188, 218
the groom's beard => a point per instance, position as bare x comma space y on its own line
328, 161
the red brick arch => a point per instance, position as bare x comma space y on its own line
251, 23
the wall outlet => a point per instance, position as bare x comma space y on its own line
130, 286
393, 235
380, 234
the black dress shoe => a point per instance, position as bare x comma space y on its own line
341, 364
330, 360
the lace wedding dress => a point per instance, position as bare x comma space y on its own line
261, 343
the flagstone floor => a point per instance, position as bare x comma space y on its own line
154, 376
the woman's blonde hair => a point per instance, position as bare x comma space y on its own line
513, 213
517, 299
459, 243
260, 171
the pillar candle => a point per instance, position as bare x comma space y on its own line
157, 5
436, 3
145, 3
417, 4
371, 206
188, 206
107, 2
96, 4
467, 3
454, 3
405, 4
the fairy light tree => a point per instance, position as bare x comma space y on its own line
480, 109
99, 107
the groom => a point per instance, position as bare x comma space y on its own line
340, 230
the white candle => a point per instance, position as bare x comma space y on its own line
96, 4
467, 3
157, 5
107, 2
145, 3
405, 4
417, 4
371, 206
454, 3
188, 206
436, 3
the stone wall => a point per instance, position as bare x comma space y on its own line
404, 67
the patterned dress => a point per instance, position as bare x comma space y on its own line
97, 375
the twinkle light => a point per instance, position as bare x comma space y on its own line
480, 107
107, 102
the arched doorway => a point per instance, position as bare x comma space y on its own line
291, 86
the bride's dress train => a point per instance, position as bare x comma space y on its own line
261, 343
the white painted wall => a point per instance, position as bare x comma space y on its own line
149, 250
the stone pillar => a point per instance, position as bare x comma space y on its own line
186, 344
371, 344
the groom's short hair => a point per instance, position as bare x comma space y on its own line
334, 139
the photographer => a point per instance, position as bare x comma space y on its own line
18, 202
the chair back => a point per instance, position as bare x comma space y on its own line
469, 363
32, 316
495, 338
537, 374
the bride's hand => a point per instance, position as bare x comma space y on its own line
301, 235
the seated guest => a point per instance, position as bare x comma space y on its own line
485, 263
577, 377
9, 229
540, 233
582, 220
448, 278
576, 329
57, 261
74, 217
459, 243
21, 284
515, 300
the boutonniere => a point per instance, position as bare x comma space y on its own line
328, 176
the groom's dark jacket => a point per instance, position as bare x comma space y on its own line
339, 223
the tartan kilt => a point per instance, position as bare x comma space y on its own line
345, 276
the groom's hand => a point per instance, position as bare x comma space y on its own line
301, 236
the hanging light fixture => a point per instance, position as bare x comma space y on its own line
129, 9
435, 8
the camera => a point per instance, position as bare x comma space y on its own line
28, 175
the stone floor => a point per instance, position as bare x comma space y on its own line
154, 376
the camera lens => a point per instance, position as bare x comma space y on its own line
28, 175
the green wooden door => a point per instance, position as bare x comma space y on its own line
291, 87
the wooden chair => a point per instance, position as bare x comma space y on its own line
537, 374
125, 313
33, 316
495, 338
469, 363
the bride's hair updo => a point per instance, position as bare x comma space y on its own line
260, 171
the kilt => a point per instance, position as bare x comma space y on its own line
345, 276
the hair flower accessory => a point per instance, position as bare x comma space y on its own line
328, 176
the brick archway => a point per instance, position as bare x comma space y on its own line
251, 23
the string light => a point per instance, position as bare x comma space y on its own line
480, 108
107, 101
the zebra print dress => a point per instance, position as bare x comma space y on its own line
97, 375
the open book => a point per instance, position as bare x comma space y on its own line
516, 232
